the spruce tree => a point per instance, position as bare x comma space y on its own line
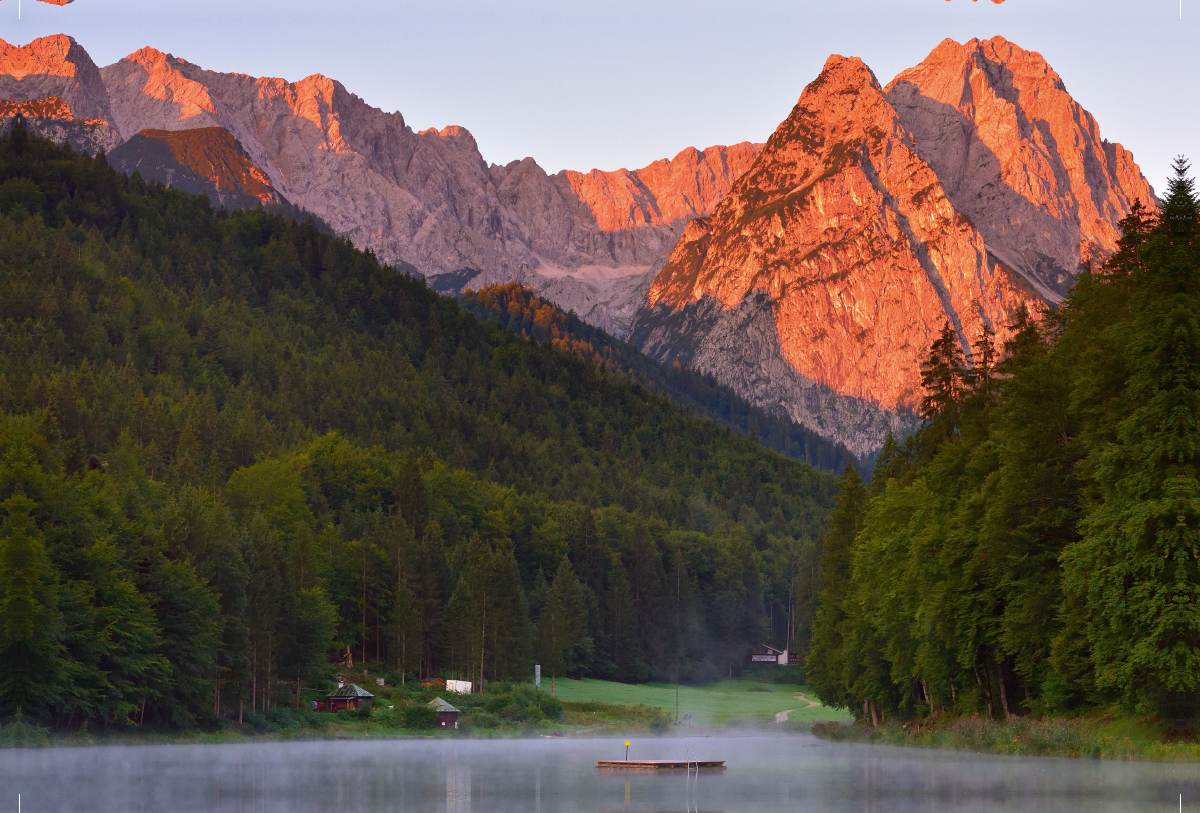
826, 665
562, 641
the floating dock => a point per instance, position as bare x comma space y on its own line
661, 765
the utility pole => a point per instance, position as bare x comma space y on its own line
678, 633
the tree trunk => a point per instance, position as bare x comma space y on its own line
552, 685
987, 692
297, 689
254, 678
874, 714
1003, 690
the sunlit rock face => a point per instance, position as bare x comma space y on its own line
873, 217
207, 160
54, 67
664, 192
1019, 157
55, 86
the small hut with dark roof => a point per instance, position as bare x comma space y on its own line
447, 715
350, 696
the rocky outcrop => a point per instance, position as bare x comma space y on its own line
1019, 157
665, 192
54, 67
207, 161
52, 118
871, 218
55, 86
51, 108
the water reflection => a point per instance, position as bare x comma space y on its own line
458, 788
503, 776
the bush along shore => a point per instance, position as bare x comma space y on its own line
502, 710
1097, 735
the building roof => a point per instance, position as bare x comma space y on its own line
350, 690
438, 704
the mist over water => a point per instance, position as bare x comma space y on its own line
783, 773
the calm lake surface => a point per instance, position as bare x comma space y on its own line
784, 773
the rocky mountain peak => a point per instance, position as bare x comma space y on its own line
839, 114
162, 92
971, 187
54, 66
1020, 157
47, 56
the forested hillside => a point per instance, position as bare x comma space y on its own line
522, 311
1036, 547
234, 449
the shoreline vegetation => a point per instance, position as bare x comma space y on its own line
583, 708
1032, 553
512, 711
1095, 736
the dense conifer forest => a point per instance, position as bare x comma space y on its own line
1036, 546
522, 311
236, 452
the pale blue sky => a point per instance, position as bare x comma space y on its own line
610, 83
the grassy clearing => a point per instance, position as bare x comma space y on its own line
721, 703
1101, 736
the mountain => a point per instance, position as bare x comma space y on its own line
207, 160
54, 83
590, 241
971, 188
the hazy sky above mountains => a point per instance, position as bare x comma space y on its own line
612, 83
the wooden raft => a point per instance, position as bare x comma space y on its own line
661, 765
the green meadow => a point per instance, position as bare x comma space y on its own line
720, 703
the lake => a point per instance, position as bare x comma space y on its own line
765, 773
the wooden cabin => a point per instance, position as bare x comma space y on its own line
350, 696
447, 715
